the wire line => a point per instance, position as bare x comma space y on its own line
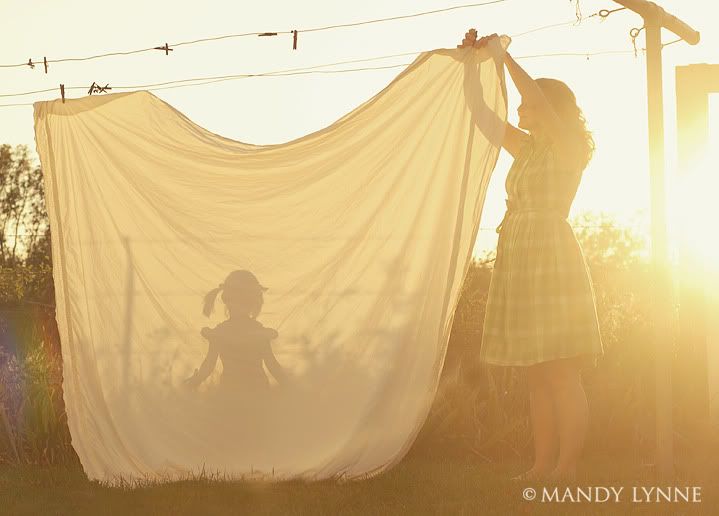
552, 26
39, 62
206, 80
314, 69
406, 16
276, 74
209, 80
226, 76
298, 71
603, 14
578, 54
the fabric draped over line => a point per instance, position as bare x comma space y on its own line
362, 233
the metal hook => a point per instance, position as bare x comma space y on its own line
634, 33
606, 12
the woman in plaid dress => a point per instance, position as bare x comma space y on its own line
541, 309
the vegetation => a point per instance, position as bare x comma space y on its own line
477, 427
418, 485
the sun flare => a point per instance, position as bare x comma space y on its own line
696, 208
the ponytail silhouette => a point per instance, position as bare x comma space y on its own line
241, 293
209, 302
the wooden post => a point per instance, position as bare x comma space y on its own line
663, 310
698, 362
692, 129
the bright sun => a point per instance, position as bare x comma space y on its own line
697, 204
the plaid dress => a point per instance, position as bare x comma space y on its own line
541, 302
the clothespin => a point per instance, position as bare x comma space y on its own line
268, 34
294, 40
30, 63
62, 92
44, 60
96, 88
166, 48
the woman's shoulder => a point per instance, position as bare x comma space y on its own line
563, 159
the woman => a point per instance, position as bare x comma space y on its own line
541, 309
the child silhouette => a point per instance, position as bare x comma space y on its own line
241, 342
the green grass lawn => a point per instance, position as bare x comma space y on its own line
415, 486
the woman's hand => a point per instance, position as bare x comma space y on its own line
484, 40
469, 38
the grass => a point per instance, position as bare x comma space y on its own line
415, 486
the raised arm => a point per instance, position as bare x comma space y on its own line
513, 136
513, 139
532, 95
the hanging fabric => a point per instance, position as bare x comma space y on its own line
277, 310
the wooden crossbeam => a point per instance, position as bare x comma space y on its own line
650, 10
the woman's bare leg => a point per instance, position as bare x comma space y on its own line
572, 411
544, 429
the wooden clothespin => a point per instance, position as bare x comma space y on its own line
44, 60
62, 92
96, 88
268, 34
166, 48
294, 40
30, 63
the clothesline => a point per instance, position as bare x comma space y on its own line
301, 71
168, 47
602, 14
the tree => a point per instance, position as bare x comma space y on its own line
25, 257
24, 225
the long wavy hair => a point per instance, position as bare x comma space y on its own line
564, 102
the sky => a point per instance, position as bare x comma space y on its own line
611, 89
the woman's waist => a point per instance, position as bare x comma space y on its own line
538, 212
529, 211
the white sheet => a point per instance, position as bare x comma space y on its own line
362, 232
